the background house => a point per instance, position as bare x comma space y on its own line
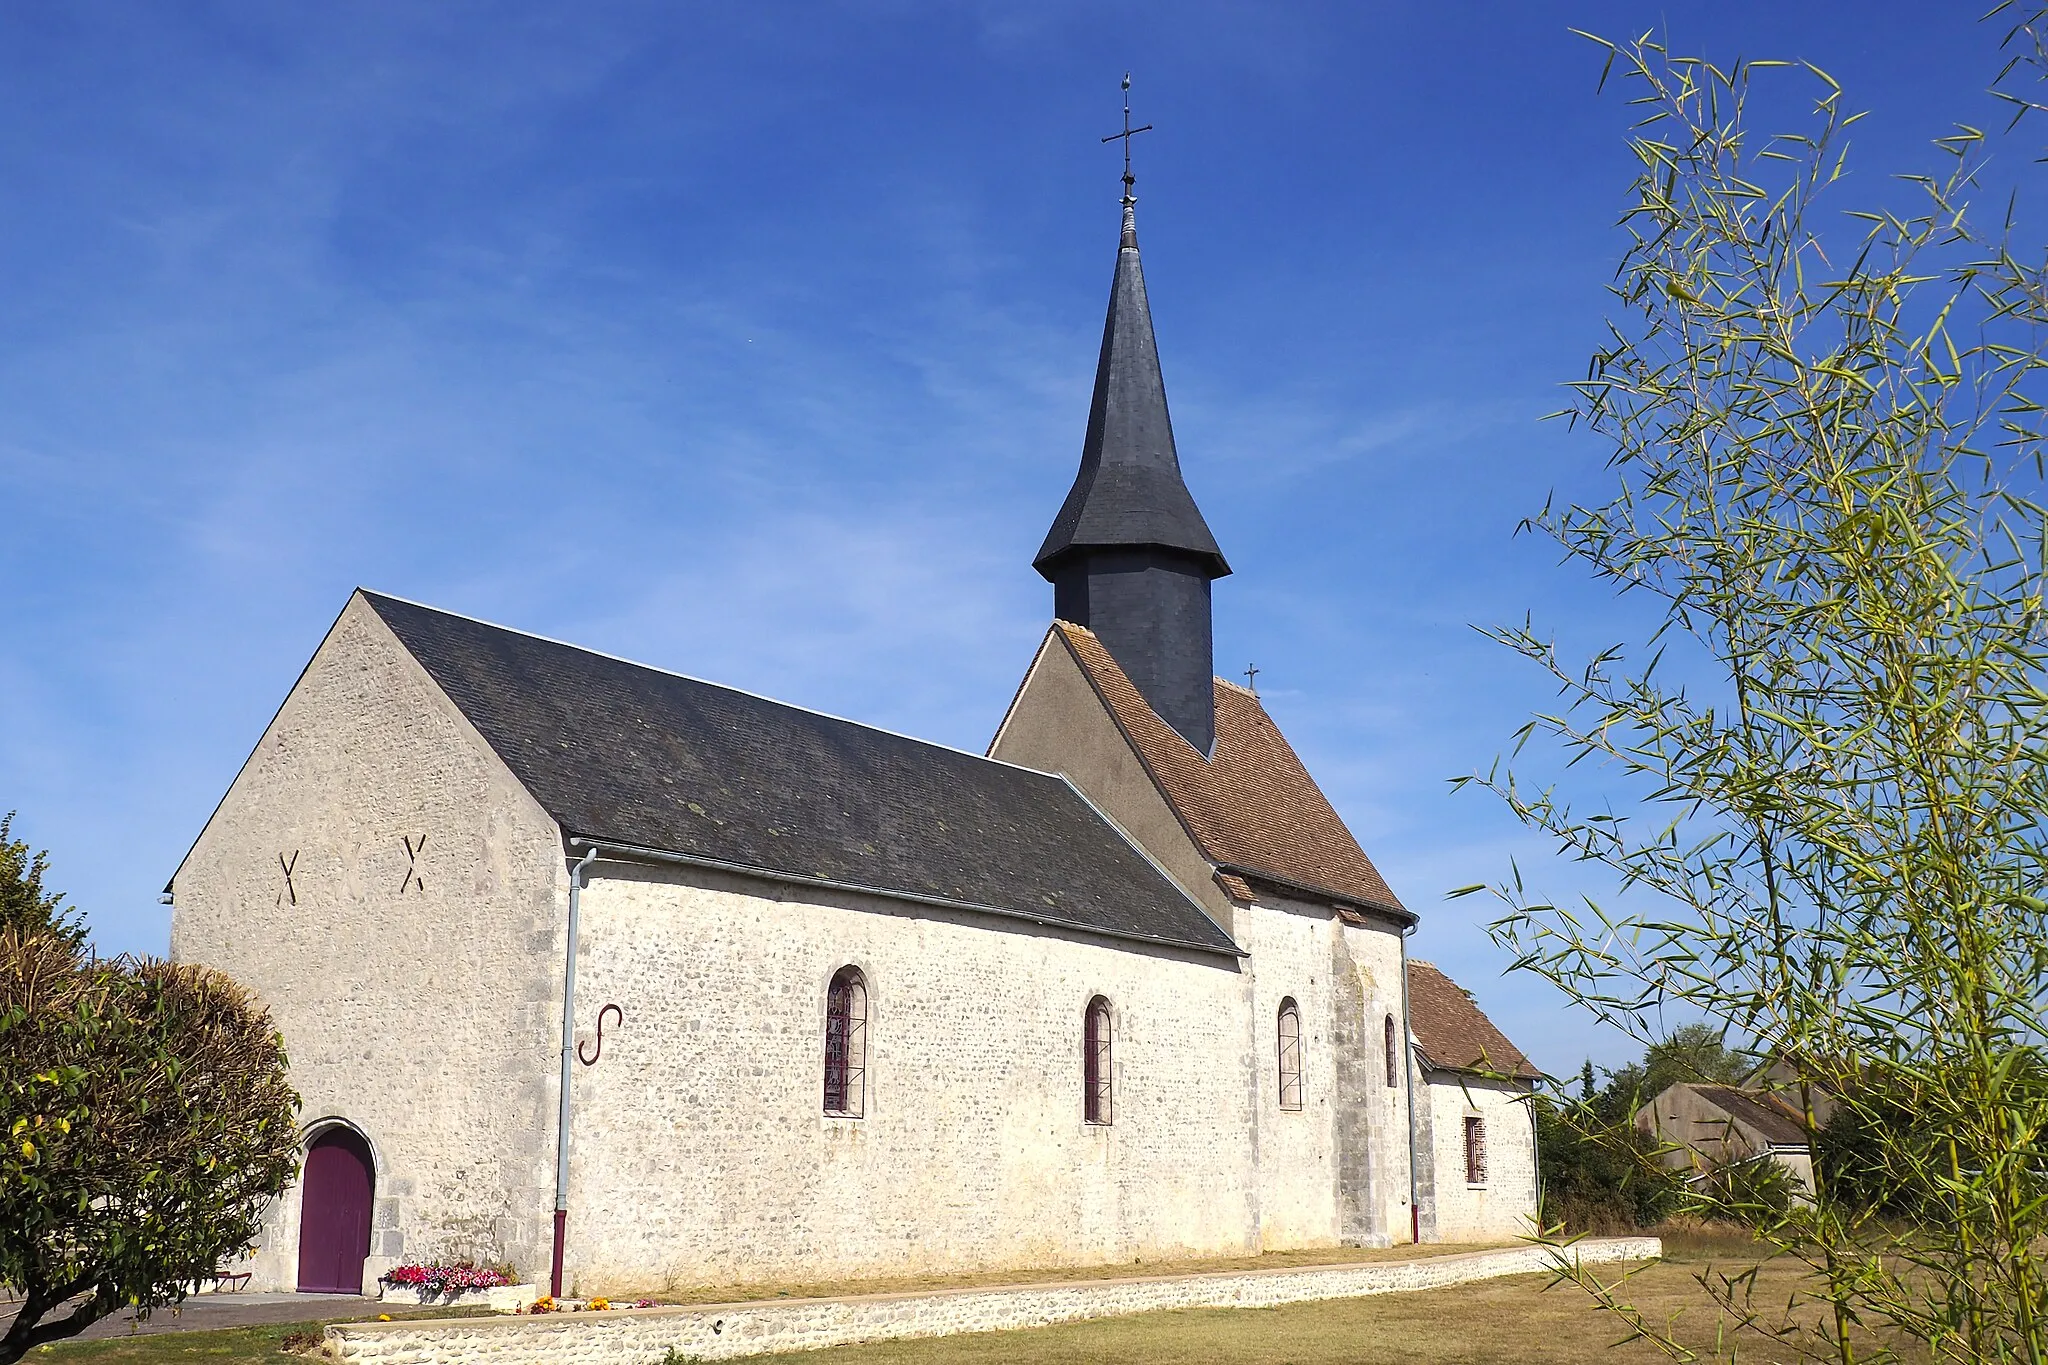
1707, 1127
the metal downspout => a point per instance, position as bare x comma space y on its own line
568, 1044
1408, 1073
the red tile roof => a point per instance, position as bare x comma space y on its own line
1452, 1031
1251, 808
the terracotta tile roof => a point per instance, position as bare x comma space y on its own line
1252, 808
1235, 887
1452, 1032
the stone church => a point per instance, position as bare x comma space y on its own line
633, 980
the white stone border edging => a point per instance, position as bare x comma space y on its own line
643, 1336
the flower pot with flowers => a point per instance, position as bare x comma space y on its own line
456, 1282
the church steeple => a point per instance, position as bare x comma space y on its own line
1129, 555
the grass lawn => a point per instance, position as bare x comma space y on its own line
227, 1346
910, 1284
1511, 1321
1518, 1320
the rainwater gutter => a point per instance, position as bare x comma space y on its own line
1408, 1072
642, 854
568, 1042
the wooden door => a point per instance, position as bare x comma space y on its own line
334, 1221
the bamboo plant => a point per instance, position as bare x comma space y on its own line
1824, 422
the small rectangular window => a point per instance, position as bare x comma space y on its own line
1475, 1151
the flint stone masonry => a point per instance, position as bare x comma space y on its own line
701, 1155
728, 1331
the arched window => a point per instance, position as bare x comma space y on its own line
846, 1043
1095, 1062
1290, 1055
1393, 1055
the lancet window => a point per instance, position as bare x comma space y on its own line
846, 1043
1290, 1055
1095, 1072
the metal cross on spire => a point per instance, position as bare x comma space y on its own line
1127, 134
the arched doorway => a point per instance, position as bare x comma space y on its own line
334, 1217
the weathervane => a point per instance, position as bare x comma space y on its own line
1127, 134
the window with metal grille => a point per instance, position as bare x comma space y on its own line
1095, 1062
846, 1043
1290, 1055
1393, 1055
1475, 1150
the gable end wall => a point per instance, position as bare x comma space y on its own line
1059, 724
423, 1011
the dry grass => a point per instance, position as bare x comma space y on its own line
1522, 1320
902, 1284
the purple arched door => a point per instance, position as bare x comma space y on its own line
334, 1219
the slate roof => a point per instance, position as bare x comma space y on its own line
1129, 491
622, 753
1251, 807
1452, 1032
1772, 1121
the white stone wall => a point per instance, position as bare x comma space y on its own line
1375, 954
727, 1331
1505, 1206
1346, 980
701, 1154
421, 1008
1297, 1172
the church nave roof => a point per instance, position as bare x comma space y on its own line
622, 753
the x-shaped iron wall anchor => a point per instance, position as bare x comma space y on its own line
412, 865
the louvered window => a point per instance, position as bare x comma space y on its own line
1290, 1055
1475, 1151
846, 1043
1095, 1074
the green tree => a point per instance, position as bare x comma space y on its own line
1597, 1174
24, 903
1825, 429
147, 1124
1691, 1052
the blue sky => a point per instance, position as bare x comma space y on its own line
754, 342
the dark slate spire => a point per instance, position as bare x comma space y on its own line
1129, 491
1129, 555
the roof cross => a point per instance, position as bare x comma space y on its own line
1251, 679
1127, 134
